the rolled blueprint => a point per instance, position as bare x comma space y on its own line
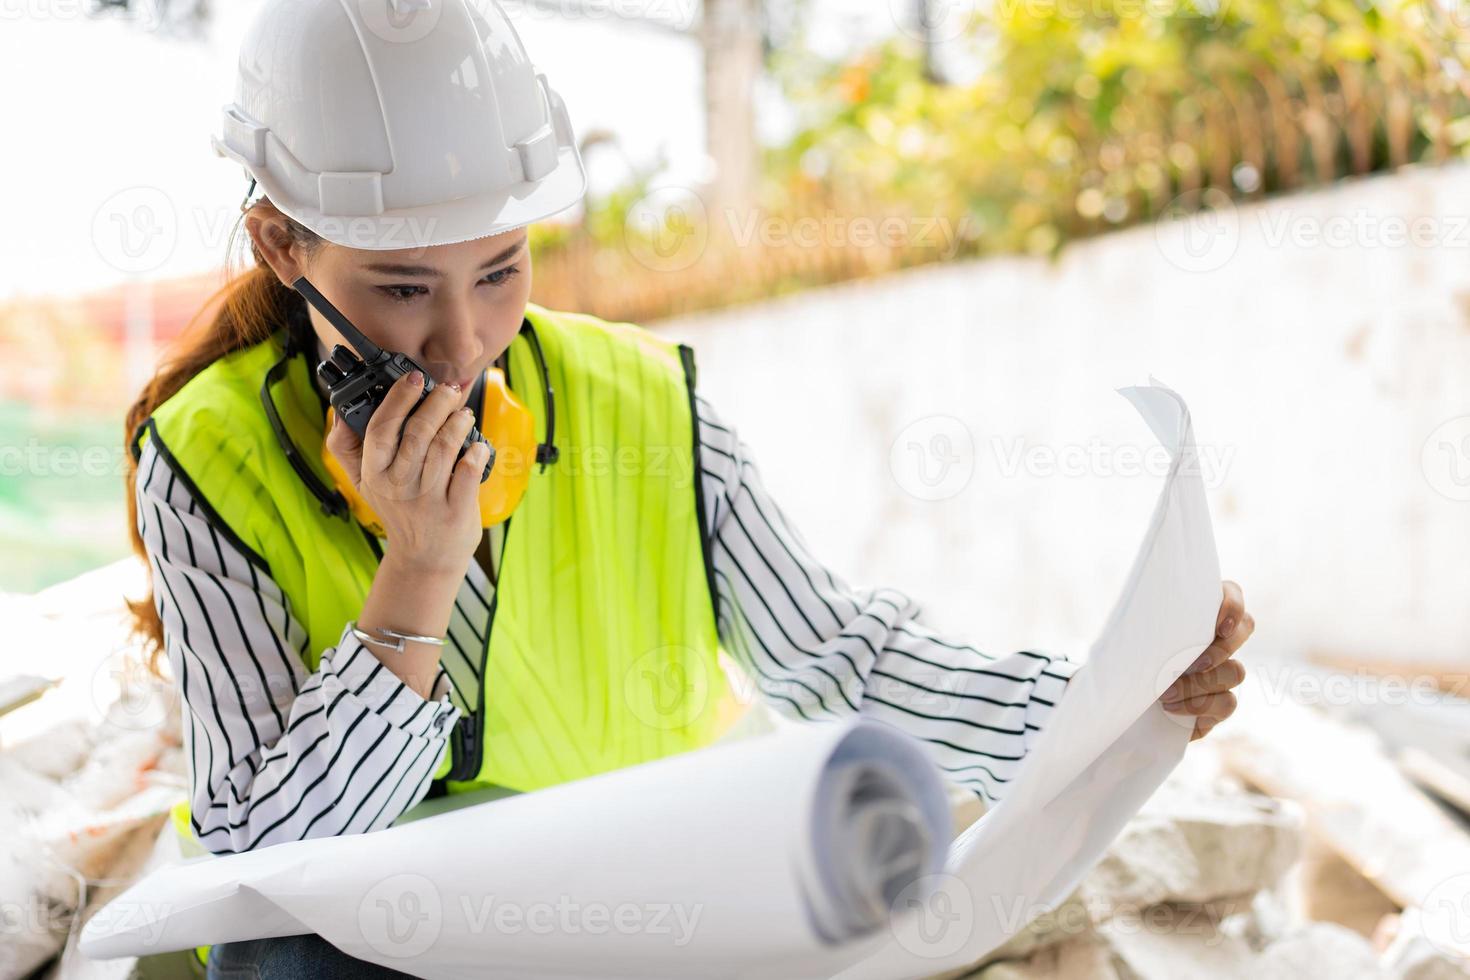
1106, 746
694, 865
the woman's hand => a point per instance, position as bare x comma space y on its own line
405, 469
1204, 689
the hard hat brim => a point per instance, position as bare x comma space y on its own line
445, 223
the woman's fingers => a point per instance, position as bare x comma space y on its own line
444, 449
1202, 727
1241, 627
1232, 606
380, 441
1219, 705
407, 469
464, 481
1219, 678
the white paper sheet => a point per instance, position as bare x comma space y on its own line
694, 864
814, 852
1105, 749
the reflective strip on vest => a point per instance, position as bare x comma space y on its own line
603, 649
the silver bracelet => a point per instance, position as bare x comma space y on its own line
401, 638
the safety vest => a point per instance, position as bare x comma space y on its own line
602, 649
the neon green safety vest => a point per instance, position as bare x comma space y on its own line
602, 649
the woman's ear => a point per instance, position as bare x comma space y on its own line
267, 229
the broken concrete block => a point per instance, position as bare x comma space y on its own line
1196, 850
1169, 942
1191, 843
1325, 888
1412, 955
1321, 949
1076, 960
56, 752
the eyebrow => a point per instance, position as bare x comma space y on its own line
398, 269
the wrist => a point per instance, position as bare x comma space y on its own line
423, 571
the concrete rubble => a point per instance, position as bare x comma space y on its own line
1211, 879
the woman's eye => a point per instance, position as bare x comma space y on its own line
501, 276
405, 294
402, 293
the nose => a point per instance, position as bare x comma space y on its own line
454, 346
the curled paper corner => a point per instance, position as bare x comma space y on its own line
1165, 411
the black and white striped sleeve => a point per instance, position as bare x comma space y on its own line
276, 753
818, 648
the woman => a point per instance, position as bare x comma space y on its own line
336, 671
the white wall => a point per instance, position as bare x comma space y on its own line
1316, 367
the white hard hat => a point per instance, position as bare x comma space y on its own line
383, 124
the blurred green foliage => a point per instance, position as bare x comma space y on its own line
1089, 114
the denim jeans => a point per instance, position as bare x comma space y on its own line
308, 957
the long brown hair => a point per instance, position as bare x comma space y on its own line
252, 305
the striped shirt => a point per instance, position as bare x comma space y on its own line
280, 753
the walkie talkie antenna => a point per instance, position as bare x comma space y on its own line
366, 349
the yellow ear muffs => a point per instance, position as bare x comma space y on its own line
510, 428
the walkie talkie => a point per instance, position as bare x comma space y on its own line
357, 386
